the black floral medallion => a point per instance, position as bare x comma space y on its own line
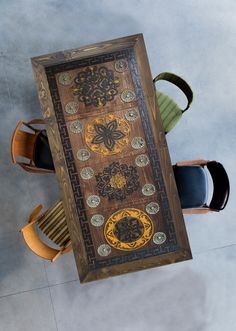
96, 86
128, 229
107, 134
117, 181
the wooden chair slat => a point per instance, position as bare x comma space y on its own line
53, 231
54, 224
63, 231
48, 217
62, 237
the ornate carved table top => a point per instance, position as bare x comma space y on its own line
111, 158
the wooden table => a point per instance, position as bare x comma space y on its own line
111, 158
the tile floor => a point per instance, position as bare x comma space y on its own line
195, 39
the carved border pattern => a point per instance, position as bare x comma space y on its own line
171, 245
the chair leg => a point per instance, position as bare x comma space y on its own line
56, 256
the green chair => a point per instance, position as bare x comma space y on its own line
171, 113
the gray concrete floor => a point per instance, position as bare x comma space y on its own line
195, 39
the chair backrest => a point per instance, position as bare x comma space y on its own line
221, 185
53, 227
170, 112
23, 145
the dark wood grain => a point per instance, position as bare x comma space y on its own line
64, 145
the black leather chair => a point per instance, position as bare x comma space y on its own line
192, 184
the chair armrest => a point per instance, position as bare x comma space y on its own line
192, 162
179, 82
35, 170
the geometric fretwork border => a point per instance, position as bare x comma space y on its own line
171, 245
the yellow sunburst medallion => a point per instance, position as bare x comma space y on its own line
107, 135
128, 229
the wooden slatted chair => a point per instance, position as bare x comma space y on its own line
170, 112
192, 184
52, 224
33, 146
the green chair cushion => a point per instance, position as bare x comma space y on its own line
170, 111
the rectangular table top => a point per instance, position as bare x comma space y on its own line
111, 158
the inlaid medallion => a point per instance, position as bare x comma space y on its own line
97, 220
104, 250
131, 115
93, 201
76, 126
159, 238
148, 189
138, 142
121, 65
142, 160
128, 229
83, 154
71, 107
107, 135
65, 78
152, 208
127, 96
87, 173
117, 181
96, 86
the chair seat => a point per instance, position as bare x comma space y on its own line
192, 186
42, 155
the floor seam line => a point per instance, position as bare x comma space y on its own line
50, 294
213, 249
22, 292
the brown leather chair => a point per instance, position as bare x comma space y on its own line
31, 144
52, 224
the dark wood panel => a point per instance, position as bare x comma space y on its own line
86, 96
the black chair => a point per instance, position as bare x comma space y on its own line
192, 184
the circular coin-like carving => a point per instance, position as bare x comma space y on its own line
83, 154
104, 250
148, 189
76, 126
152, 208
142, 160
93, 201
138, 142
131, 115
72, 107
87, 173
159, 238
128, 229
97, 220
65, 78
121, 65
127, 96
